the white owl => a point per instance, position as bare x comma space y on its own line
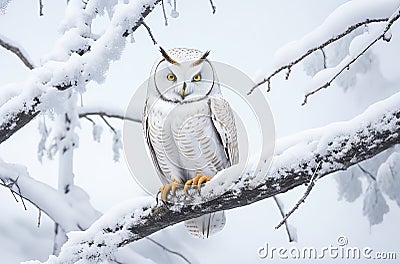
189, 128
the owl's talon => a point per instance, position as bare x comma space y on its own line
202, 179
168, 188
187, 185
198, 180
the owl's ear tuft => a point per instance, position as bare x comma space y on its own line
167, 57
203, 57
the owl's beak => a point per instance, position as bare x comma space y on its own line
183, 90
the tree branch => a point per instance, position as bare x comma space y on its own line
169, 250
17, 51
389, 24
111, 113
213, 7
302, 199
40, 7
337, 147
320, 47
12, 119
150, 33
280, 207
16, 178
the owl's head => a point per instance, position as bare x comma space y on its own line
183, 75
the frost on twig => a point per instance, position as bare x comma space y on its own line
335, 147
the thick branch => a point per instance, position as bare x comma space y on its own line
336, 147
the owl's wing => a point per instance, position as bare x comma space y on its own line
145, 123
224, 122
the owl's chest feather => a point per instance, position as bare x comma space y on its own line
184, 136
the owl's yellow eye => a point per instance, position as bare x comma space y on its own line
171, 77
197, 78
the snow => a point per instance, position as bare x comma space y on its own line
349, 186
96, 132
375, 206
61, 69
53, 204
117, 145
125, 214
320, 137
388, 177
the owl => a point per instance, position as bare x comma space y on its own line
189, 128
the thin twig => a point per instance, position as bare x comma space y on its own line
40, 7
17, 52
169, 250
393, 19
8, 186
278, 203
108, 124
91, 120
302, 199
164, 13
39, 217
85, 115
366, 172
214, 8
150, 33
19, 192
326, 43
324, 57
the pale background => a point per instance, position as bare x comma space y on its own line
242, 34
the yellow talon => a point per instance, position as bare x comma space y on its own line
202, 179
187, 185
167, 187
198, 180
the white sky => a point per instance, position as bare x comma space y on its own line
242, 34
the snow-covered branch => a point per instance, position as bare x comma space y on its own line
335, 147
325, 77
77, 59
357, 14
48, 199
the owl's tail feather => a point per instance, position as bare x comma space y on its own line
206, 225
